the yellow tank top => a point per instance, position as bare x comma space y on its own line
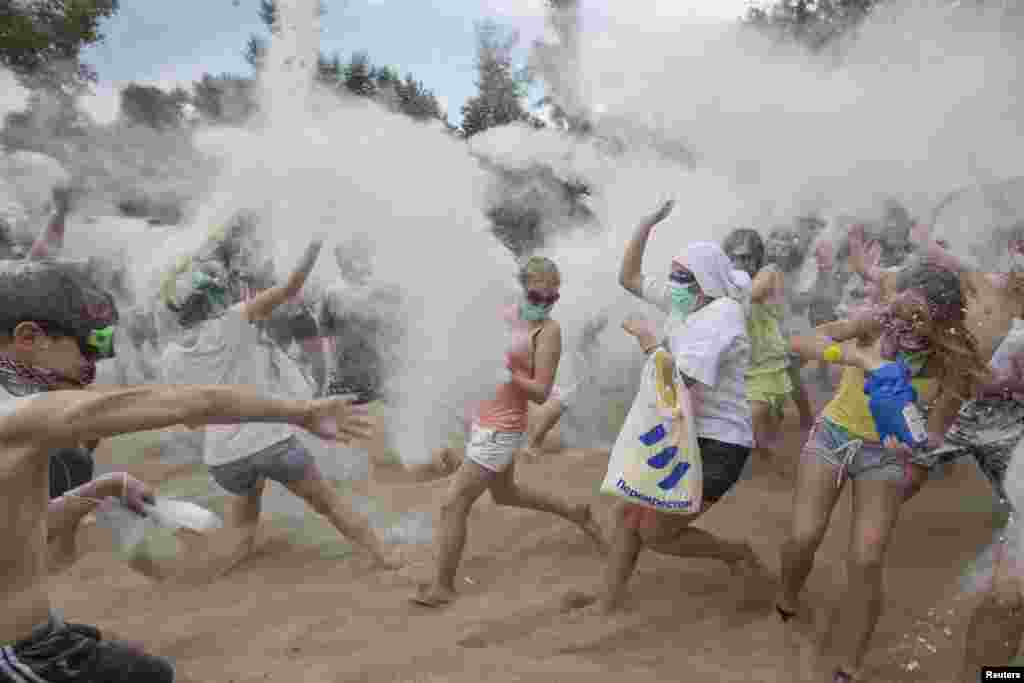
849, 407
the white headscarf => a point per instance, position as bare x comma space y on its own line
714, 272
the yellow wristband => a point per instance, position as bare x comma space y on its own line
833, 354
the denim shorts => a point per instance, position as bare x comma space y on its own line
284, 462
853, 457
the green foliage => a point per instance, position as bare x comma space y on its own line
224, 99
814, 23
40, 40
268, 14
255, 51
150, 106
328, 71
416, 101
499, 88
359, 76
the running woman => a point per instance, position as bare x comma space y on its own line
706, 333
923, 329
499, 431
768, 378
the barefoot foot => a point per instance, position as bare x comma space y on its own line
748, 565
389, 559
577, 600
433, 596
530, 454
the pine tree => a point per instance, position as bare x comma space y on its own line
815, 23
359, 75
499, 87
41, 41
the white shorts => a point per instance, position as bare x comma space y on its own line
491, 449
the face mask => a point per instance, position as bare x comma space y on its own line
684, 299
213, 288
21, 379
534, 312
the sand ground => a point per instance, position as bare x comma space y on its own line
306, 608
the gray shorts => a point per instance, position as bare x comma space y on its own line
284, 462
853, 458
988, 430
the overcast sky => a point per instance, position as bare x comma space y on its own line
167, 42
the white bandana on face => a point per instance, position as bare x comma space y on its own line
714, 272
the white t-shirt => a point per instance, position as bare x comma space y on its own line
228, 350
711, 346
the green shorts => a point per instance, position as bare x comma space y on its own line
773, 387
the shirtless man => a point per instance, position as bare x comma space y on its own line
54, 324
988, 429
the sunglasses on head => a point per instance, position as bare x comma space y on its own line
682, 277
538, 299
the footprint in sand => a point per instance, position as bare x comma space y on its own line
536, 625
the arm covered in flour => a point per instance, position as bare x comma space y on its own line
264, 303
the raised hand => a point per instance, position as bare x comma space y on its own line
896, 446
824, 255
873, 257
921, 234
662, 213
638, 327
63, 196
132, 493
337, 419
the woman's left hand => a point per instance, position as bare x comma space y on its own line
896, 446
638, 327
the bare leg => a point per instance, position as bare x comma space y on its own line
225, 549
801, 397
997, 625
469, 483
813, 502
766, 433
680, 539
377, 446
876, 507
506, 491
626, 546
325, 500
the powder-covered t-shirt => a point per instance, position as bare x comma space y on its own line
711, 346
230, 350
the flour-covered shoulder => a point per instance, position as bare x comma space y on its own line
726, 317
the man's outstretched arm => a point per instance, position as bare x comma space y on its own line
65, 418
